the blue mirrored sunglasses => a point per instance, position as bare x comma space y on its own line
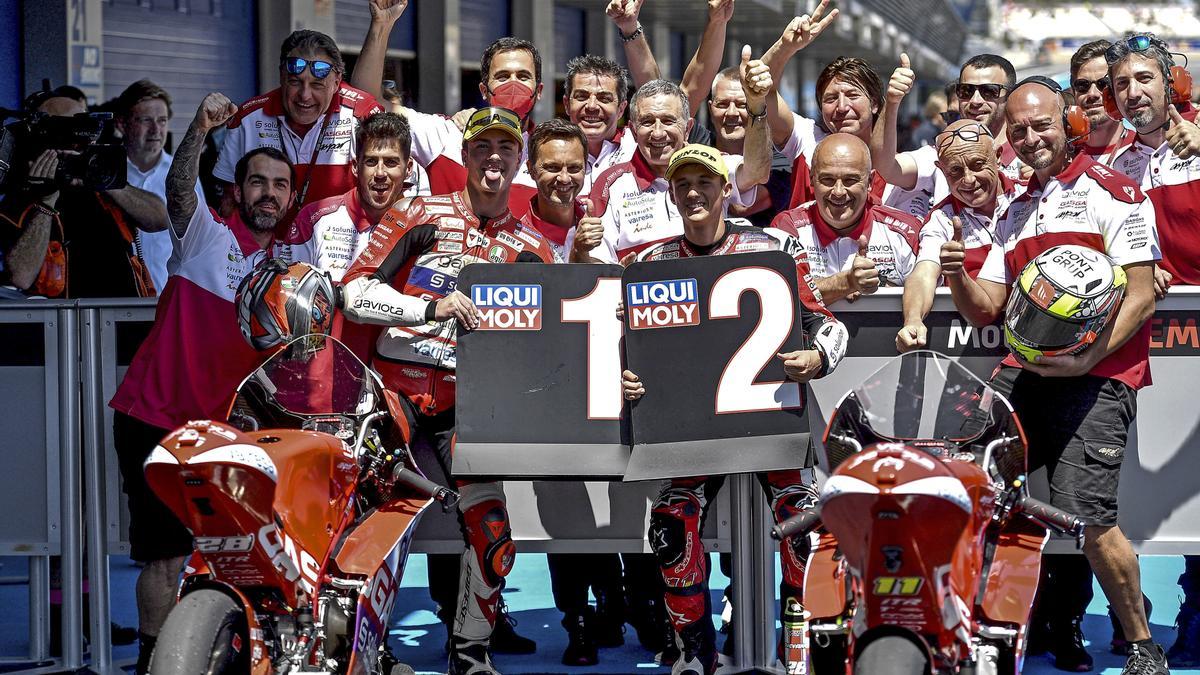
1134, 43
294, 65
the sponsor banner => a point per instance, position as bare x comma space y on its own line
663, 304
508, 306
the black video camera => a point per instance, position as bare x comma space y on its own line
91, 156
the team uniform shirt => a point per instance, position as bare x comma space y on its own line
1104, 155
322, 155
978, 228
154, 248
930, 187
437, 145
892, 240
1088, 205
618, 150
556, 236
420, 251
332, 232
195, 356
636, 210
1173, 186
742, 237
1010, 163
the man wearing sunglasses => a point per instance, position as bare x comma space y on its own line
405, 281
1089, 83
984, 83
959, 232
1092, 395
311, 118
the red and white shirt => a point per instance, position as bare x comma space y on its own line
322, 155
636, 209
978, 227
332, 233
1104, 155
437, 145
1173, 186
929, 189
195, 356
556, 235
1010, 163
619, 149
1088, 205
891, 240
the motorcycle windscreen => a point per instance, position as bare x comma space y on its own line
926, 395
312, 375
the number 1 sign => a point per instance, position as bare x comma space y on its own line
703, 334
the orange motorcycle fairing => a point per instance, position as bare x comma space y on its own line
1012, 579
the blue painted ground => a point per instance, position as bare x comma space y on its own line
417, 637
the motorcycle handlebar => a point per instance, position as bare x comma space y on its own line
415, 481
1055, 519
799, 524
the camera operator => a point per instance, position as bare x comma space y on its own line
62, 239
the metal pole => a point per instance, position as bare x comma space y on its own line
764, 580
72, 545
743, 568
39, 608
93, 469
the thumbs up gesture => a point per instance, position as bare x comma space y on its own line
1183, 137
589, 231
953, 253
901, 82
863, 277
756, 80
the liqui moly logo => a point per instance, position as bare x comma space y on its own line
662, 304
508, 306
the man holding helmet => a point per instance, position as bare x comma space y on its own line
1076, 406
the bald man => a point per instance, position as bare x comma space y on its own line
959, 231
1091, 395
854, 244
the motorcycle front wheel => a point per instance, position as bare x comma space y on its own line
891, 655
205, 634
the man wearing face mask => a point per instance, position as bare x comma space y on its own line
854, 243
211, 258
959, 231
311, 118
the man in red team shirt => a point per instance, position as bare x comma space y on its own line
311, 118
1077, 409
406, 281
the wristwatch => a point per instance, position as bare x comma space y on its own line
638, 32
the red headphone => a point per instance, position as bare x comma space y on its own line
1179, 90
1075, 121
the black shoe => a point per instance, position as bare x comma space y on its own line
1185, 653
608, 622
505, 639
581, 650
122, 635
1066, 645
1119, 645
145, 651
470, 659
1037, 641
647, 622
1146, 658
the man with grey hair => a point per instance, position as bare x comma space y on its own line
632, 198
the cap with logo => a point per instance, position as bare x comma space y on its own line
485, 119
703, 155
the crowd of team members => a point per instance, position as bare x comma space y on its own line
393, 204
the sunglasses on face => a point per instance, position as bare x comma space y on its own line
969, 134
294, 65
990, 92
1081, 86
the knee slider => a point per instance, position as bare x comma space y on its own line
490, 538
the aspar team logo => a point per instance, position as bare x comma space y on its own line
663, 304
508, 306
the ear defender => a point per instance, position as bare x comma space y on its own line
1076, 124
1180, 85
1110, 104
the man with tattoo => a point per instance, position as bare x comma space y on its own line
189, 336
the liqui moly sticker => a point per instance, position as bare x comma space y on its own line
663, 304
508, 306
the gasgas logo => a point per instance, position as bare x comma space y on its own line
508, 306
663, 304
291, 560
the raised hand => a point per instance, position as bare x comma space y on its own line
901, 82
387, 11
756, 80
953, 253
624, 13
214, 110
802, 30
863, 277
1183, 137
720, 10
589, 231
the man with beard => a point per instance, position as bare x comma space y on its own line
1077, 409
959, 231
405, 281
1089, 82
699, 186
633, 200
984, 83
854, 244
850, 99
1164, 159
192, 360
311, 118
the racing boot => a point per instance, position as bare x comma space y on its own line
698, 647
470, 659
1119, 645
669, 652
1146, 658
1185, 653
581, 650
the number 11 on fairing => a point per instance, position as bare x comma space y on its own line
598, 310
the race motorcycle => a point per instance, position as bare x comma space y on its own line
301, 517
926, 545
